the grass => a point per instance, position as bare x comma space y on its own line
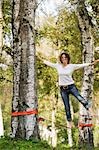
13, 144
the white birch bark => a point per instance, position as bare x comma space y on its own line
69, 130
16, 65
85, 134
45, 133
54, 132
24, 92
1, 43
1, 21
1, 123
69, 133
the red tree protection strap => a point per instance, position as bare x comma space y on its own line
23, 113
85, 125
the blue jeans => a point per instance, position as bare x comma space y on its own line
71, 89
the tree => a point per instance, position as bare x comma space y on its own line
85, 132
24, 87
1, 39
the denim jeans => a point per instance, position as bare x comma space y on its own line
71, 89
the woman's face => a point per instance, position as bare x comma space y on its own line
64, 59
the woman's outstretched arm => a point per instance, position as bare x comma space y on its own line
48, 63
78, 66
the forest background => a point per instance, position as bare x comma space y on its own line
56, 29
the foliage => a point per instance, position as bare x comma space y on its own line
7, 33
6, 8
11, 144
96, 74
96, 136
6, 75
47, 79
63, 34
5, 97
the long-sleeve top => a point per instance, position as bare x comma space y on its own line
65, 72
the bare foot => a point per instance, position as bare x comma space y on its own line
90, 111
69, 124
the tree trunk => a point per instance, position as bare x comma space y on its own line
54, 133
24, 88
1, 20
85, 133
1, 123
1, 39
69, 130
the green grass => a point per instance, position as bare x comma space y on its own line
13, 144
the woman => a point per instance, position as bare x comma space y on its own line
66, 82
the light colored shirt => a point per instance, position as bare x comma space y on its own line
65, 73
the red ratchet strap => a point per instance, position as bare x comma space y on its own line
85, 125
23, 113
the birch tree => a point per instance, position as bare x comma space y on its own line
24, 103
1, 39
1, 21
85, 132
54, 132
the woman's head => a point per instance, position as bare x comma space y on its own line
64, 57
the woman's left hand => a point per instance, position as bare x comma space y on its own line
96, 61
93, 63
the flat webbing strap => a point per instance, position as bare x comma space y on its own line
85, 125
23, 113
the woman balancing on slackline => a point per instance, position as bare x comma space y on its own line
66, 82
